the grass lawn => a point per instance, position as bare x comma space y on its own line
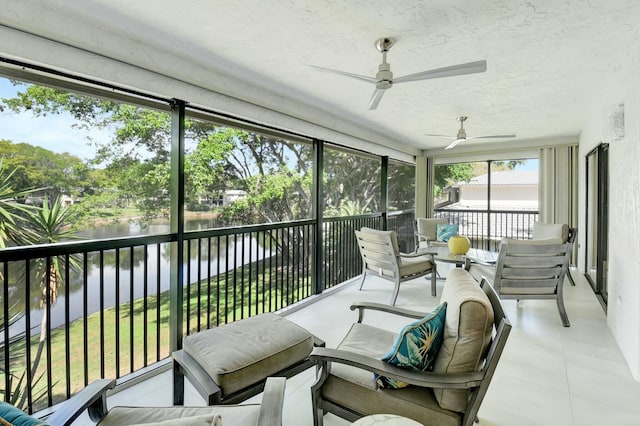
116, 344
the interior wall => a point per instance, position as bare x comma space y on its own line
622, 133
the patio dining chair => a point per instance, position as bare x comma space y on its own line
381, 257
426, 232
93, 399
530, 269
542, 230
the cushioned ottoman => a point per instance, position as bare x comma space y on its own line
230, 363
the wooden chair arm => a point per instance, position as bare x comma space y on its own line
322, 356
92, 398
362, 306
272, 402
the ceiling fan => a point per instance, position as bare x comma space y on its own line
384, 77
462, 135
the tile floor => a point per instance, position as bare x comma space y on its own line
548, 374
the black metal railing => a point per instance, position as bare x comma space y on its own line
485, 228
107, 313
342, 259
74, 312
403, 223
340, 250
239, 272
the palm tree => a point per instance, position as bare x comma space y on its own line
48, 225
9, 209
11, 229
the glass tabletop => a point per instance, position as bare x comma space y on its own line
443, 254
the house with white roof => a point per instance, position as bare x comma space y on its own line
509, 190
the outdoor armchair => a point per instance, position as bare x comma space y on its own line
474, 335
381, 257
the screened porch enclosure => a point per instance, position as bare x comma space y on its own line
283, 210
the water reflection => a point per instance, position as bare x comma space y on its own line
108, 285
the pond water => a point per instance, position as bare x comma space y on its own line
237, 252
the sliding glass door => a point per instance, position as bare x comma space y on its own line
488, 200
597, 220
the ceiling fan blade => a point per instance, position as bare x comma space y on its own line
347, 74
441, 136
492, 137
454, 143
454, 70
375, 98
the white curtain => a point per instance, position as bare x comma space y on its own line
430, 186
558, 185
424, 186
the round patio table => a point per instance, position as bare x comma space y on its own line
442, 254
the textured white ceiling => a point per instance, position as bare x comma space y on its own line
547, 60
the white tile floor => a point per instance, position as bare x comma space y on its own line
548, 374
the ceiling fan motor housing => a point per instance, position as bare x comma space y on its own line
462, 134
384, 76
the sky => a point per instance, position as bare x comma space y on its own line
54, 133
531, 164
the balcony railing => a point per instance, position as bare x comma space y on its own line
342, 260
485, 228
108, 311
240, 272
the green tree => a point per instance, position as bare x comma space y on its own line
448, 174
37, 167
136, 159
401, 186
274, 173
352, 179
26, 225
139, 143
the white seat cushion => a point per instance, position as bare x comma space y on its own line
543, 231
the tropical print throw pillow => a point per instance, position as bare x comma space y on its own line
444, 231
416, 346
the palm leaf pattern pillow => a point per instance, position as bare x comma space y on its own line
416, 347
444, 231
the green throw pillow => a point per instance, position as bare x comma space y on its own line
444, 231
416, 346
